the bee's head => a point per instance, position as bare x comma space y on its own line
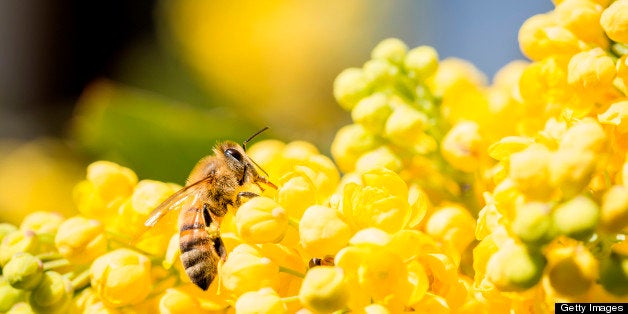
240, 163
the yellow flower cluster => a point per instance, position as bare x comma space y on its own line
446, 194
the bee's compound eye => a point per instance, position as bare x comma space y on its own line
233, 154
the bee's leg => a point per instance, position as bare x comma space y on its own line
244, 194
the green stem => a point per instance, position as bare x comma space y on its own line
291, 272
56, 264
81, 281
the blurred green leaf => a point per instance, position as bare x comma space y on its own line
157, 137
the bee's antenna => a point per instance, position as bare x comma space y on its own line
248, 140
253, 136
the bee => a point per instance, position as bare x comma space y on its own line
212, 186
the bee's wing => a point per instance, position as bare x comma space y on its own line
175, 200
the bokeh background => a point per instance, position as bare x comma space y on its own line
153, 84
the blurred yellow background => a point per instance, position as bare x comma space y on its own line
153, 85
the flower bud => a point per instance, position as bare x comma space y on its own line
9, 296
614, 21
380, 72
111, 180
350, 143
81, 240
529, 171
571, 170
572, 271
322, 231
614, 211
462, 147
244, 263
405, 124
582, 18
177, 301
121, 277
23, 271
533, 223
376, 309
261, 220
42, 222
614, 274
265, 300
6, 228
617, 115
324, 289
576, 218
372, 112
350, 86
540, 37
382, 157
21, 308
515, 268
53, 294
296, 193
452, 224
421, 62
17, 241
587, 135
390, 49
591, 72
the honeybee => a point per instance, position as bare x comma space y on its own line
210, 189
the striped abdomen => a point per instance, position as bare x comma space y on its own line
201, 250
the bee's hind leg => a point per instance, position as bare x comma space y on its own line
246, 194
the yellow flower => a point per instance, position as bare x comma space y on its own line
324, 289
617, 115
265, 300
541, 37
453, 225
529, 169
42, 222
463, 147
296, 193
121, 277
591, 72
244, 263
111, 180
178, 301
405, 125
261, 220
350, 143
81, 240
382, 157
381, 202
614, 20
18, 241
322, 231
571, 170
582, 18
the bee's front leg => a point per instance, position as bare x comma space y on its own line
246, 194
